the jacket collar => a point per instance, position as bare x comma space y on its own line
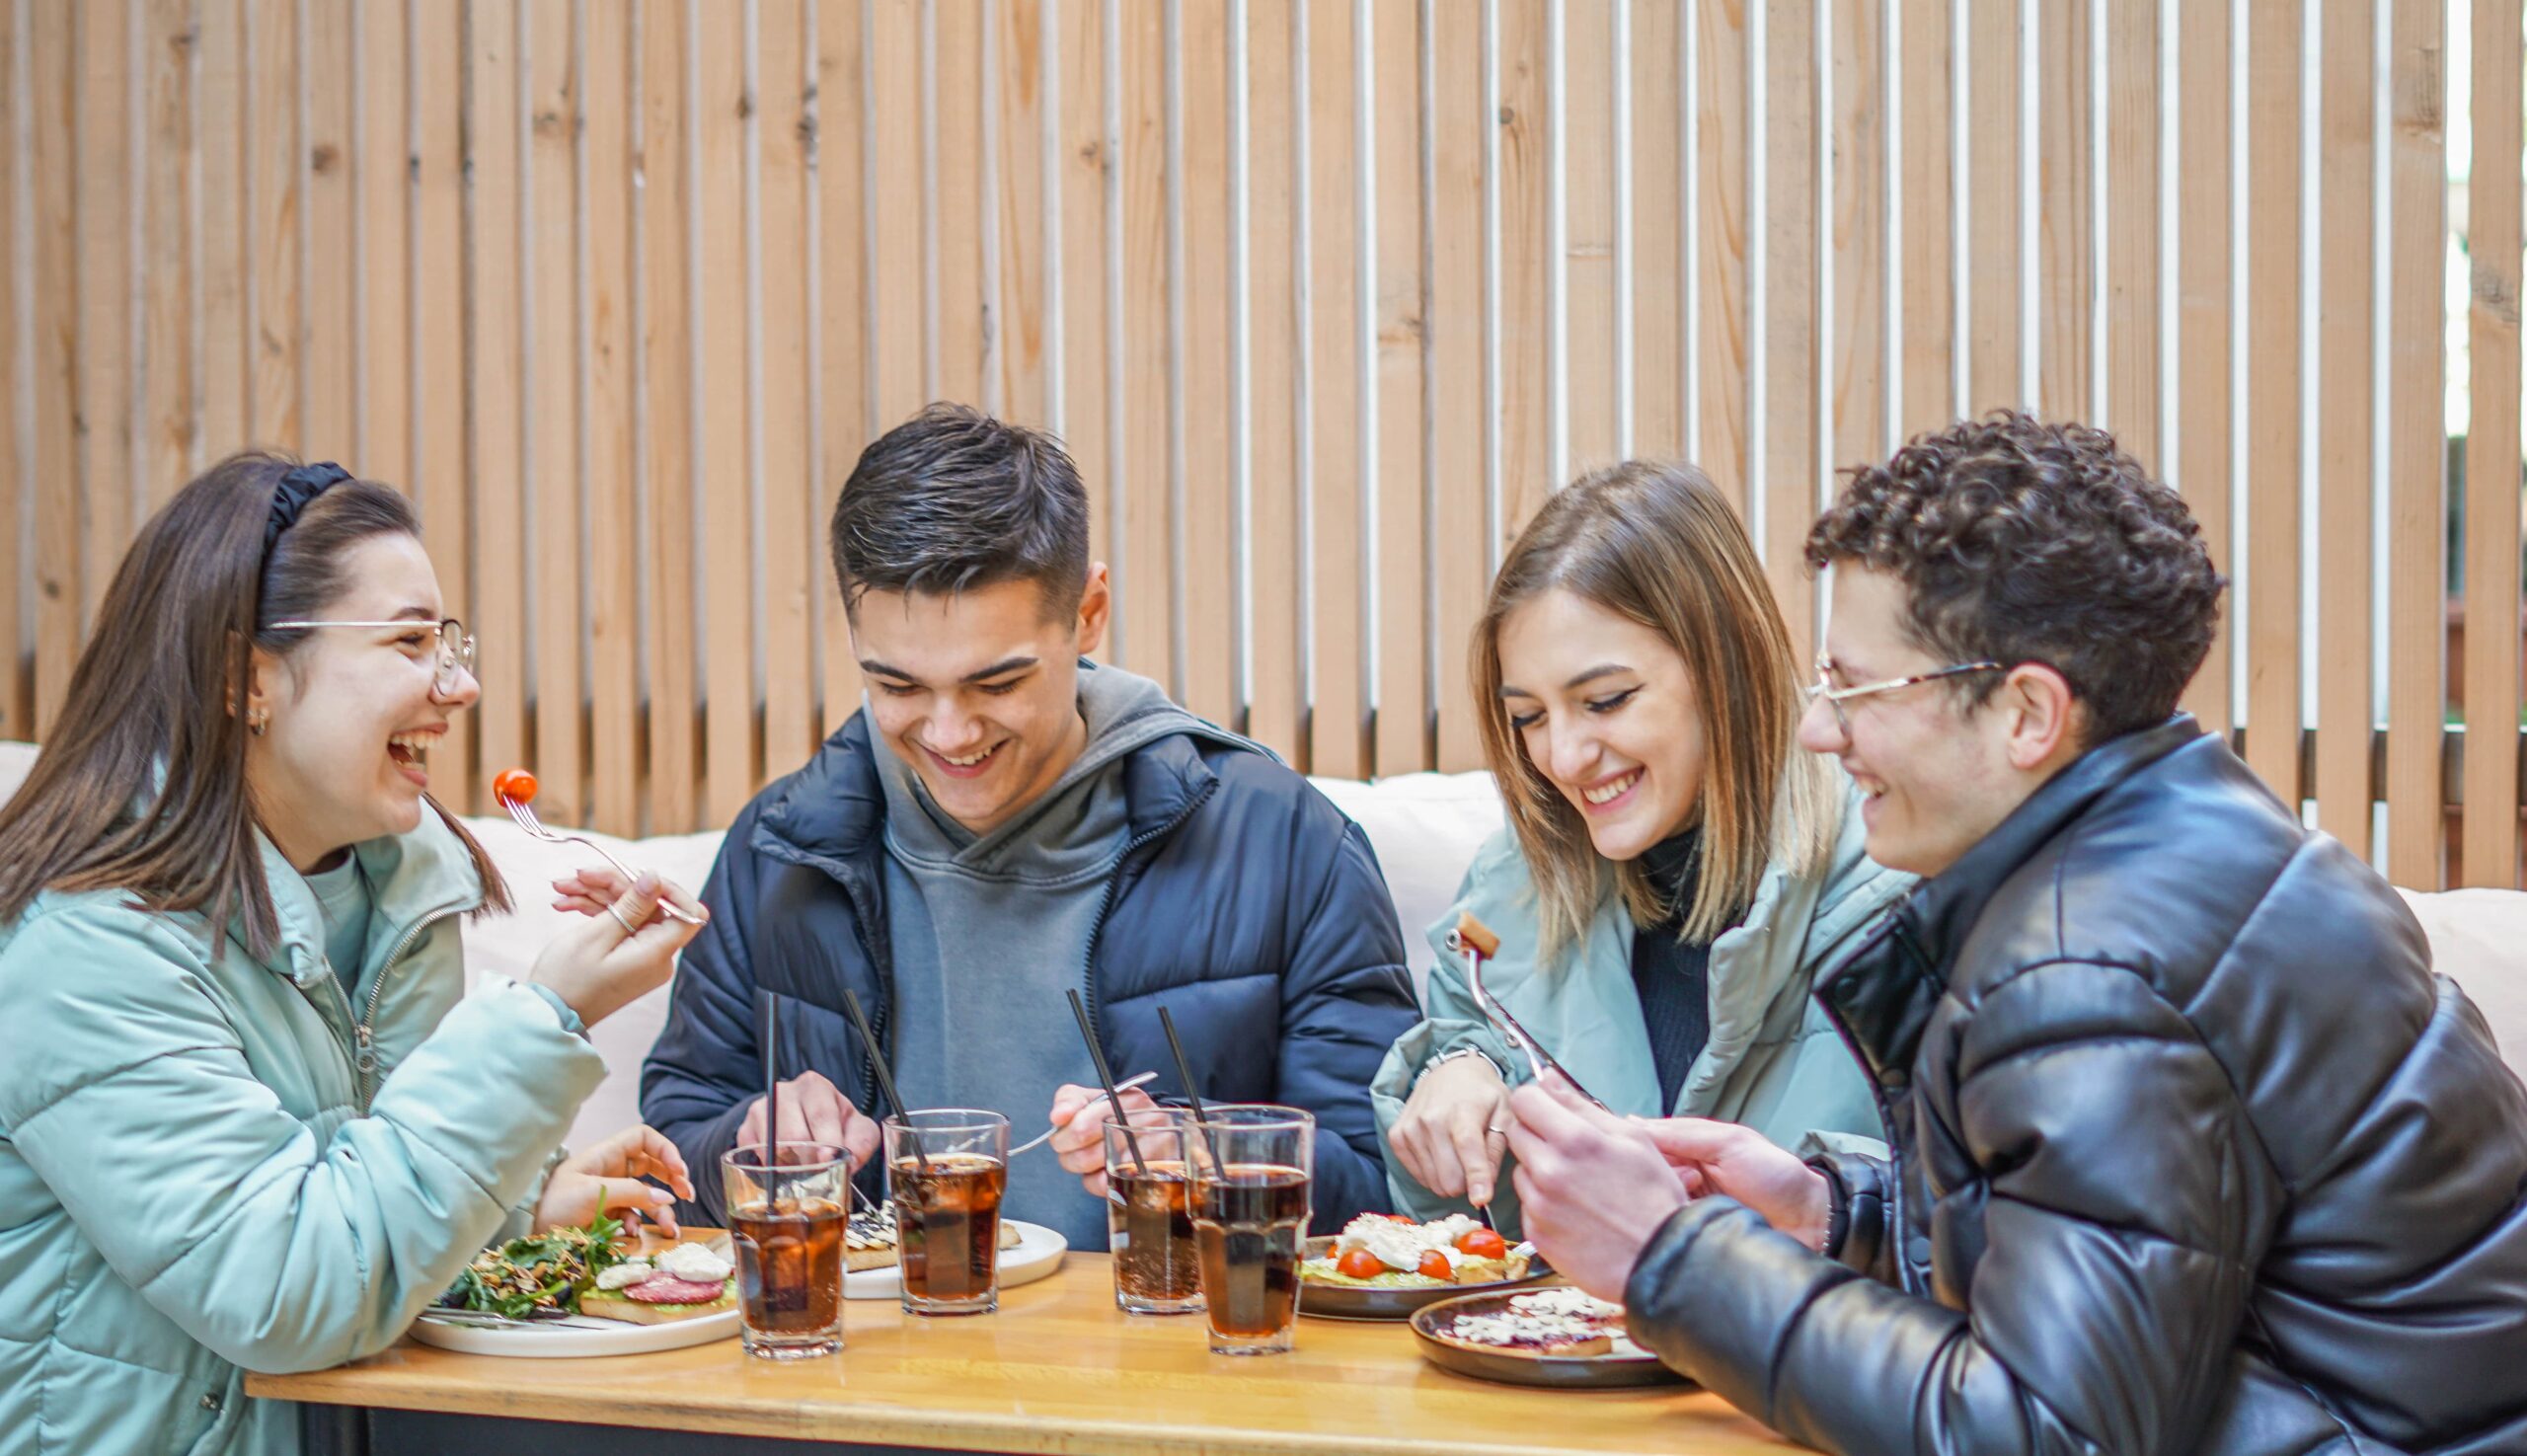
411, 878
1883, 993
832, 812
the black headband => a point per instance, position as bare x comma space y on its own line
302, 485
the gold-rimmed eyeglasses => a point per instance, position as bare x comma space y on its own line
1824, 688
455, 644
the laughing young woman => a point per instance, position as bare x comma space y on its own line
249, 1121
1674, 871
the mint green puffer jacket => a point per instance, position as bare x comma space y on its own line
1774, 1062
210, 1165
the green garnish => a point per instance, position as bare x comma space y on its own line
546, 1271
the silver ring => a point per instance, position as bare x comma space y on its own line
1494, 1128
616, 911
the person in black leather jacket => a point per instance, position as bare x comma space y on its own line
2189, 1150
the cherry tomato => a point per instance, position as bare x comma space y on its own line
1359, 1264
1483, 1244
515, 785
1435, 1265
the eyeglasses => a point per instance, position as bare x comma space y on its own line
1835, 697
455, 646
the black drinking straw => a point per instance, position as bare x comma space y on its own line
1185, 1070
769, 1033
885, 1077
1106, 1077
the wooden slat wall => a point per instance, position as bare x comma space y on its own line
1327, 295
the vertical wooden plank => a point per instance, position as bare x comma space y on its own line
168, 425
329, 241
2066, 210
606, 404
1926, 390
1088, 162
1589, 231
1525, 324
381, 101
495, 303
894, 196
2273, 394
664, 441
1659, 230
103, 193
1991, 241
1140, 552
1789, 363
1273, 315
1403, 721
1337, 721
2204, 418
53, 37
1857, 233
842, 382
789, 545
1723, 138
550, 426
957, 172
2489, 850
2131, 267
720, 470
275, 199
1018, 94
438, 313
2417, 440
226, 342
1206, 602
2348, 155
1455, 361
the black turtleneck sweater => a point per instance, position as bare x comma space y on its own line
1672, 976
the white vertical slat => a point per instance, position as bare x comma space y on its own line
1494, 527
1048, 159
1433, 650
1961, 240
932, 245
1823, 336
2030, 259
2382, 152
1758, 265
2239, 567
1172, 92
1303, 362
1619, 62
1364, 337
1556, 189
867, 145
1890, 206
2165, 267
995, 317
759, 610
1118, 441
1241, 383
2095, 303
1688, 221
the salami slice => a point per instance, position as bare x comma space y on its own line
668, 1290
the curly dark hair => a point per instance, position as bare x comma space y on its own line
2021, 541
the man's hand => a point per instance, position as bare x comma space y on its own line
1742, 1163
1592, 1187
1080, 1114
1454, 1128
613, 1170
813, 1110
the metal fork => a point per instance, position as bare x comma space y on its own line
1474, 941
524, 813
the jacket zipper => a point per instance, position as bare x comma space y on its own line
1113, 887
363, 1030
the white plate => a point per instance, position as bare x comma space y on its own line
1036, 1254
575, 1338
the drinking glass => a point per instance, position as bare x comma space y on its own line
945, 1170
1254, 1175
787, 1207
1149, 1216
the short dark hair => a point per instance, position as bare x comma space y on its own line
2020, 541
953, 499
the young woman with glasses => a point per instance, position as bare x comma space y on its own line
248, 1118
1674, 871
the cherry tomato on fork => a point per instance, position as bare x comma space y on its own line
1435, 1265
1359, 1264
1482, 1244
515, 785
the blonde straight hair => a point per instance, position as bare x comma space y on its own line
1656, 543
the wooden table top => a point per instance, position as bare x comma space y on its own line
1059, 1369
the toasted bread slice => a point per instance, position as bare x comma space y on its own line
612, 1304
1599, 1344
886, 1256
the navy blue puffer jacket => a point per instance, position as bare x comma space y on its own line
1247, 903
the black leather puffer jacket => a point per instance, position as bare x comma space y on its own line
2191, 1152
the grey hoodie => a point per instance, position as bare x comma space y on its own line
987, 933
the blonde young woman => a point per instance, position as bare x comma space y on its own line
1675, 873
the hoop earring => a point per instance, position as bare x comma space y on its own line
258, 721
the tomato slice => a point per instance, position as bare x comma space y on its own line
1359, 1264
1483, 1244
1435, 1265
515, 785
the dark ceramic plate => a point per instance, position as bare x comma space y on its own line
1347, 1302
1553, 1372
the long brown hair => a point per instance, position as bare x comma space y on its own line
1657, 544
162, 688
